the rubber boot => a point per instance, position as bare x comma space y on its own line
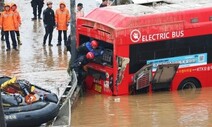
19, 41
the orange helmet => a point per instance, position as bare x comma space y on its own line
90, 55
94, 44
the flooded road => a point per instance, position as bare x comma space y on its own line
162, 109
46, 67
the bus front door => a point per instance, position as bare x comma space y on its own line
163, 76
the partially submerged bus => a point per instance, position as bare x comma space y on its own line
151, 46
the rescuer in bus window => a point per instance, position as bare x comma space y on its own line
92, 46
79, 66
86, 47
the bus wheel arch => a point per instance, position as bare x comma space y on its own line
189, 83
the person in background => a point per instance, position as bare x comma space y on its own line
80, 12
49, 23
104, 3
18, 18
37, 5
2, 31
62, 19
9, 25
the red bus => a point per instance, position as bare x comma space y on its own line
172, 40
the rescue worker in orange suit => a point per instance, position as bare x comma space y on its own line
49, 23
9, 25
79, 65
62, 19
18, 17
37, 6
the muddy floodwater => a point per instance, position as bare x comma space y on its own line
46, 67
161, 109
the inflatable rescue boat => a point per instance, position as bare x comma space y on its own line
25, 104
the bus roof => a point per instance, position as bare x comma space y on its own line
120, 16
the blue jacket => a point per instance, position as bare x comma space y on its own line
86, 47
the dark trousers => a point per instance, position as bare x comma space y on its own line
49, 31
37, 8
17, 33
81, 75
2, 35
18, 36
12, 34
60, 36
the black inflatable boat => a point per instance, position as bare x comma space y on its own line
25, 104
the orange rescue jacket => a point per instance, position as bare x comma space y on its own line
8, 21
18, 18
62, 18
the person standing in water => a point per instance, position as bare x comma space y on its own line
18, 18
49, 23
9, 24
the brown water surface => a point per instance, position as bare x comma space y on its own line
162, 109
46, 66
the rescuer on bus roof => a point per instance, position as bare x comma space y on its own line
79, 65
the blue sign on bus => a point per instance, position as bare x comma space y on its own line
184, 61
